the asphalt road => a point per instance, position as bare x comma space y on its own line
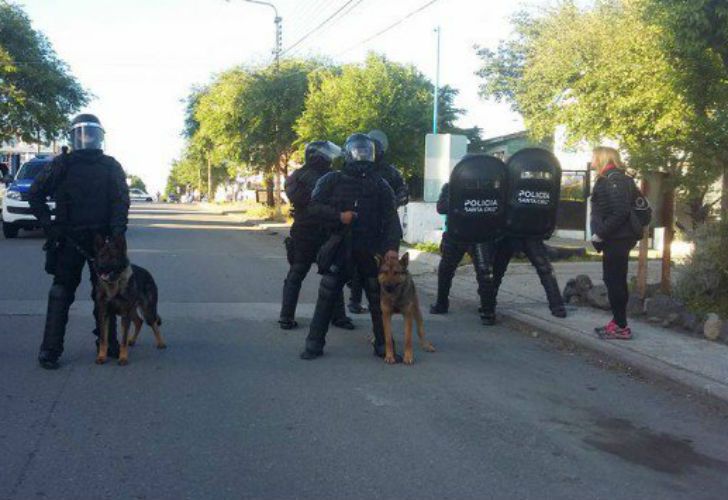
229, 411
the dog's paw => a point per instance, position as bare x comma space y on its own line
408, 359
123, 361
100, 360
390, 359
162, 346
429, 347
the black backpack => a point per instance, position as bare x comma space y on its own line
641, 214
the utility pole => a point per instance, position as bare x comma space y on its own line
437, 83
278, 48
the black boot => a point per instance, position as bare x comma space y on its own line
340, 319
553, 295
329, 291
59, 301
291, 291
440, 307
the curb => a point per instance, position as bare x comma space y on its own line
655, 368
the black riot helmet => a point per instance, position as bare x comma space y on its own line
86, 133
321, 153
381, 143
359, 148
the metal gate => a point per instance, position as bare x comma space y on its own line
571, 214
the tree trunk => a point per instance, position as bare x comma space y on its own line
642, 264
269, 189
209, 179
724, 196
668, 219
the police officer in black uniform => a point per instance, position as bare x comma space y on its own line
394, 178
451, 253
92, 198
307, 234
359, 207
534, 186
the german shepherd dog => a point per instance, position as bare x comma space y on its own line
125, 290
398, 296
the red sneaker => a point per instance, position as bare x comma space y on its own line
623, 333
609, 328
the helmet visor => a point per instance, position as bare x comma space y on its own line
87, 135
326, 149
360, 150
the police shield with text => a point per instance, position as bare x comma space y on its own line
358, 207
92, 198
534, 187
394, 178
307, 234
474, 202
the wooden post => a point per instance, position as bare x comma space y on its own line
209, 179
724, 196
642, 264
668, 216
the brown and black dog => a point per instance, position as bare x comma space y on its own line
125, 290
399, 296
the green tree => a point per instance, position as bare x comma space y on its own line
37, 90
605, 72
380, 94
136, 182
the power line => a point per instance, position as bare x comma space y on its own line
322, 24
388, 28
310, 12
342, 15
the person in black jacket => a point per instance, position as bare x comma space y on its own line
358, 206
613, 234
452, 253
307, 234
92, 198
389, 173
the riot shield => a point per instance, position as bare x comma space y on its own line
477, 204
534, 187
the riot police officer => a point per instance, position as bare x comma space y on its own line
359, 207
534, 187
451, 253
307, 234
389, 173
92, 198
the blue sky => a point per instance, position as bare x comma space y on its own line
140, 58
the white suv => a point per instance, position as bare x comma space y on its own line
136, 194
16, 209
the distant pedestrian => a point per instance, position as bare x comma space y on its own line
613, 234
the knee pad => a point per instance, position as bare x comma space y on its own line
297, 273
330, 287
60, 292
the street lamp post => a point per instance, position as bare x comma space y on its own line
278, 20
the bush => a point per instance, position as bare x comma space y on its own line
703, 278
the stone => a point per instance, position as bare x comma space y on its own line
576, 289
635, 306
663, 306
597, 297
671, 320
691, 322
712, 327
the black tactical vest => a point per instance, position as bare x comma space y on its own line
362, 193
84, 192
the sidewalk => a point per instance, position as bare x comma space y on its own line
692, 362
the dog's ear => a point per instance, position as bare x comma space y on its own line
99, 242
404, 260
378, 258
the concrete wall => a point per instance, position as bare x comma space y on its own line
421, 223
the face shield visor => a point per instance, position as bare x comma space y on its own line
324, 149
360, 149
87, 135
381, 137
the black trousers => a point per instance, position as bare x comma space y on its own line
535, 251
67, 277
306, 242
452, 253
357, 289
615, 262
330, 292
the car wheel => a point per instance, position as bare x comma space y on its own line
10, 230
